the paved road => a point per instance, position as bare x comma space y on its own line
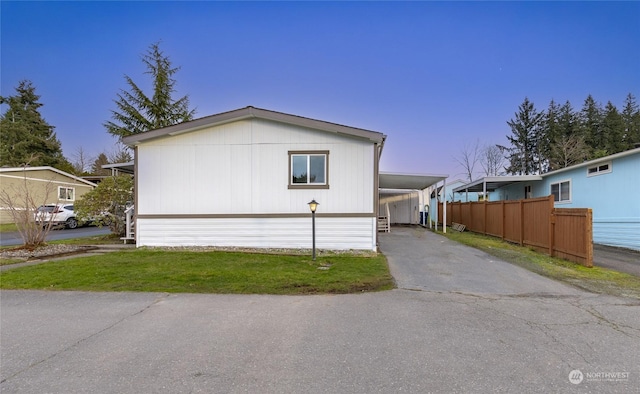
13, 238
470, 323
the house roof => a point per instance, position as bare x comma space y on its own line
252, 112
45, 168
387, 180
594, 161
493, 183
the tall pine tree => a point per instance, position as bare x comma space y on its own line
136, 112
591, 127
523, 156
631, 119
25, 137
568, 147
613, 130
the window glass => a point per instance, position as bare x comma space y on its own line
564, 191
561, 191
316, 169
555, 190
299, 169
66, 193
599, 169
308, 169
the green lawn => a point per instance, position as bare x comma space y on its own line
206, 272
8, 227
595, 279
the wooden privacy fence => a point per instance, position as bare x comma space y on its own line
534, 222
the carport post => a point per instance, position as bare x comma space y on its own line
444, 209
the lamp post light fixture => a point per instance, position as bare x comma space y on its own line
313, 205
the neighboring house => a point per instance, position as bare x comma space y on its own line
451, 196
244, 178
44, 185
610, 186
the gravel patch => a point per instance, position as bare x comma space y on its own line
282, 251
43, 251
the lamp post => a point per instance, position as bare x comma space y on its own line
313, 205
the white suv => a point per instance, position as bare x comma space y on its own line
57, 215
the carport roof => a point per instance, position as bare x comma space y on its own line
126, 168
495, 182
389, 180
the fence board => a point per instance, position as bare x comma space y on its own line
561, 232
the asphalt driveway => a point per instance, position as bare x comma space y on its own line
483, 327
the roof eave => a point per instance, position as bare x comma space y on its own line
252, 112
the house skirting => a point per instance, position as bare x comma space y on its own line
334, 233
619, 232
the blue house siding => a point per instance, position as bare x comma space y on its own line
613, 196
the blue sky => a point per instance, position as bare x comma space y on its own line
433, 76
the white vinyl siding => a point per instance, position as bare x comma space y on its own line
293, 233
242, 168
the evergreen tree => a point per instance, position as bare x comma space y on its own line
96, 167
613, 130
631, 119
549, 132
523, 155
568, 147
591, 127
568, 121
25, 137
136, 112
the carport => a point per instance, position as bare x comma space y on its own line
400, 188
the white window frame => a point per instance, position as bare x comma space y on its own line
559, 183
596, 169
66, 193
309, 185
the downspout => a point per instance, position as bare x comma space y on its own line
135, 193
377, 152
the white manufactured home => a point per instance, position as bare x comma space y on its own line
245, 178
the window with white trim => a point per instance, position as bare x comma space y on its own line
599, 169
561, 191
308, 169
66, 193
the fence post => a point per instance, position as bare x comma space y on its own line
589, 238
521, 222
484, 219
552, 226
504, 216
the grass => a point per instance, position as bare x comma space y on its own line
206, 272
8, 227
108, 239
595, 279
